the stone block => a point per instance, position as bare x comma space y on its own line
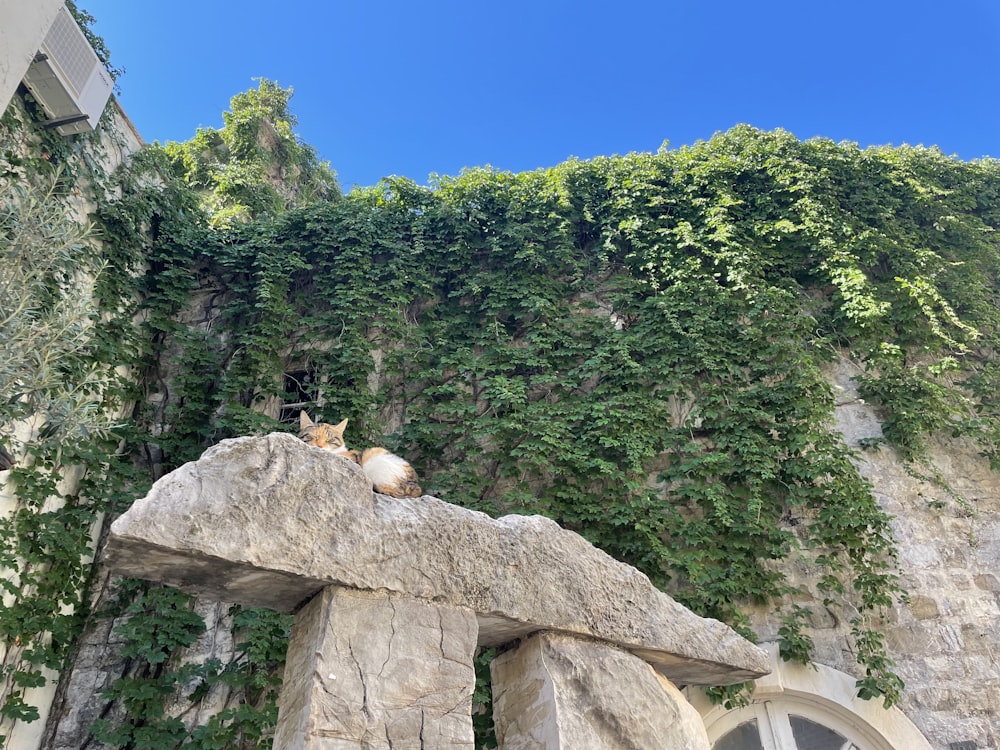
561, 692
375, 671
987, 582
923, 607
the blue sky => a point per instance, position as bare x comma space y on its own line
414, 88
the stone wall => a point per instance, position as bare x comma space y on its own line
946, 639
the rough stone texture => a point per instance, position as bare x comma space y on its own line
79, 699
269, 521
946, 640
378, 670
559, 692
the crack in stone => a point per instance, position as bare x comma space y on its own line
365, 708
440, 615
392, 635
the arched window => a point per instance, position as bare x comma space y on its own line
779, 724
800, 707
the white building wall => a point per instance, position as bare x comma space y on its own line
118, 141
23, 25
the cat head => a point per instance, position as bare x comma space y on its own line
322, 435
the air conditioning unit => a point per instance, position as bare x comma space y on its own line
67, 78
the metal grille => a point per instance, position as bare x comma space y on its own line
70, 50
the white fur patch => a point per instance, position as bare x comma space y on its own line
384, 468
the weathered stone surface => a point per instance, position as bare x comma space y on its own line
80, 699
947, 524
923, 607
269, 521
378, 670
555, 692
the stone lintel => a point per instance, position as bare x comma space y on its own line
269, 521
215, 577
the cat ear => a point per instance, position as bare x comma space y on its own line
339, 429
304, 421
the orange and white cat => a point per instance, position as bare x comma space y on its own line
389, 474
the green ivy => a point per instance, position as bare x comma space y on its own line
633, 346
551, 337
255, 166
157, 621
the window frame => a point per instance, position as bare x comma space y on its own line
817, 693
775, 730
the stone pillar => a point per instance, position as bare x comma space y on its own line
378, 670
561, 692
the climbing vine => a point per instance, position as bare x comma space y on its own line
633, 346
59, 399
636, 347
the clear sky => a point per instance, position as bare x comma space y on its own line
412, 88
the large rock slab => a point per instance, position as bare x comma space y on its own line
269, 521
557, 691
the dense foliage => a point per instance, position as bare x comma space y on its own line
633, 346
255, 166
